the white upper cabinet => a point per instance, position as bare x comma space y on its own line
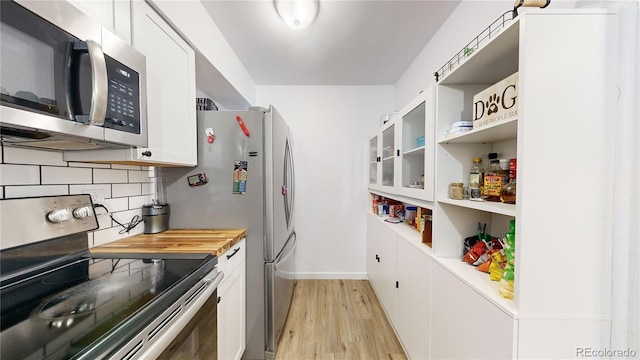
115, 15
383, 159
401, 152
171, 90
416, 159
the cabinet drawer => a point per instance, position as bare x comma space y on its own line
232, 258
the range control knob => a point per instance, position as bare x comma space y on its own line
60, 215
82, 212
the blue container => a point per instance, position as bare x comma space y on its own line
420, 140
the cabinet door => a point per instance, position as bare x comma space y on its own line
374, 162
416, 144
231, 316
414, 300
389, 156
115, 15
171, 90
373, 257
381, 248
465, 325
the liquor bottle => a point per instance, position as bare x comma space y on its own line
476, 179
494, 178
508, 192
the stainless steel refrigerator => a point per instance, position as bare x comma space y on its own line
245, 179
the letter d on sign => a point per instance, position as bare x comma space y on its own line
479, 113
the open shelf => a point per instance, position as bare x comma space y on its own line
488, 134
488, 206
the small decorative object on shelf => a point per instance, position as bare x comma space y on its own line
459, 127
529, 3
506, 283
496, 103
456, 191
476, 179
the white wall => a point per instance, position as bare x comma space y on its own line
330, 125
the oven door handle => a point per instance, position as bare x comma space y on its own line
214, 278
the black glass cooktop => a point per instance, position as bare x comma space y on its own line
62, 312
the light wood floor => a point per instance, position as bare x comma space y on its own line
337, 319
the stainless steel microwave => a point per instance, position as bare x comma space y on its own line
67, 83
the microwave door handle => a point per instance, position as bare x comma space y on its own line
99, 83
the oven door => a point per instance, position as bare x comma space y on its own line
187, 327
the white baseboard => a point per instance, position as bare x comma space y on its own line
331, 276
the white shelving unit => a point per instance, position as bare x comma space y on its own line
564, 148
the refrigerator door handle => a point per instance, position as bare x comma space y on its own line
288, 187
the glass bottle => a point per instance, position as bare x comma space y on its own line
494, 178
476, 179
508, 192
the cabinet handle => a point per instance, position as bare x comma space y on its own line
397, 284
146, 153
234, 252
219, 298
398, 152
378, 159
378, 258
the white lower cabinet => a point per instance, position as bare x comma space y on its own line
232, 303
464, 324
414, 299
399, 273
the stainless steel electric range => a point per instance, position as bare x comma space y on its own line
59, 302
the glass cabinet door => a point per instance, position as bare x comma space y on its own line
374, 160
416, 137
388, 156
413, 145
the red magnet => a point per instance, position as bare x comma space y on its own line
211, 135
242, 126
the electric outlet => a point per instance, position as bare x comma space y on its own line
97, 195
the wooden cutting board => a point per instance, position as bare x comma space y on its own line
177, 241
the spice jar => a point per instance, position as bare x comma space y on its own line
456, 191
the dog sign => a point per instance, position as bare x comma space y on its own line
497, 103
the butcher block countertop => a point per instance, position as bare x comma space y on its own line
173, 243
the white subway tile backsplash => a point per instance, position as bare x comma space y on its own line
139, 176
82, 189
17, 155
29, 172
65, 175
136, 202
104, 220
35, 190
120, 190
19, 174
117, 204
125, 217
109, 176
147, 188
112, 234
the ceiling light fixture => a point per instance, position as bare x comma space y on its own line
298, 14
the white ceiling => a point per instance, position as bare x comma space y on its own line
351, 42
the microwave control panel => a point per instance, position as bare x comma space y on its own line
123, 106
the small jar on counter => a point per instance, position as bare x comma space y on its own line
456, 191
